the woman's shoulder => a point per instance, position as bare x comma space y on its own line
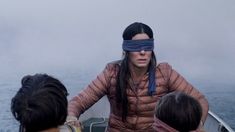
164, 65
165, 69
114, 64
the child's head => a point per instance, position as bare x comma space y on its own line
180, 111
41, 103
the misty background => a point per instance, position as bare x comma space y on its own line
73, 40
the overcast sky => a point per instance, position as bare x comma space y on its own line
197, 37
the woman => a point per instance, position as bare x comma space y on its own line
133, 85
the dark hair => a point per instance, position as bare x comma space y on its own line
40, 104
179, 111
136, 28
124, 72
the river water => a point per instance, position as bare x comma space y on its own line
219, 95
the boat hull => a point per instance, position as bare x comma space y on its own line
213, 124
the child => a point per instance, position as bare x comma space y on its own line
41, 105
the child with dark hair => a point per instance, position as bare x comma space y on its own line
41, 105
177, 112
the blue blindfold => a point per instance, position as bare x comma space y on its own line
138, 45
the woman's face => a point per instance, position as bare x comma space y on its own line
141, 58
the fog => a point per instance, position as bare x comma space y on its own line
57, 34
196, 37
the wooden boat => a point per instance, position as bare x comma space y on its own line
213, 124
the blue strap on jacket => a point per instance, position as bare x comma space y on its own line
152, 81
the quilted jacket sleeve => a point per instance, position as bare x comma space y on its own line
91, 94
177, 83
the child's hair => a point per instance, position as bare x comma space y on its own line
180, 111
40, 104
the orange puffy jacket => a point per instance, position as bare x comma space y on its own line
141, 106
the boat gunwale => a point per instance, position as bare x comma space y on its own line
224, 124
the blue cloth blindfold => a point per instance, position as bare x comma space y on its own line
138, 45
